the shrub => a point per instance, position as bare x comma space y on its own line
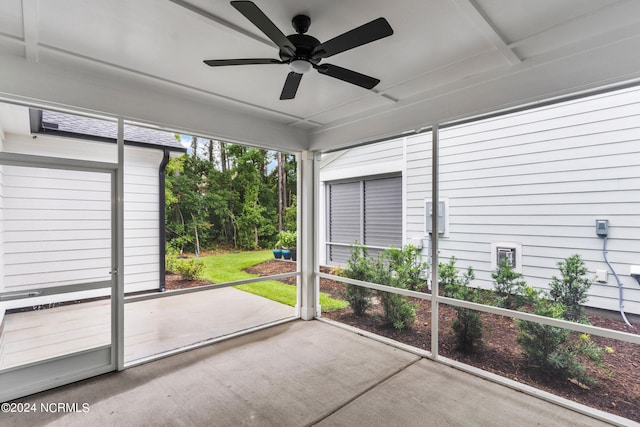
408, 266
287, 239
190, 268
557, 350
572, 288
546, 347
394, 268
171, 259
358, 267
467, 326
512, 292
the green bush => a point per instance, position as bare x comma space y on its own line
171, 259
287, 239
189, 268
399, 268
408, 266
572, 288
359, 268
512, 292
467, 326
394, 267
547, 347
558, 350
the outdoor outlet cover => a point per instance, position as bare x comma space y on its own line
601, 276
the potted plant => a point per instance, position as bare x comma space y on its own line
288, 241
277, 252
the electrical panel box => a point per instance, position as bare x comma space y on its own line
602, 227
442, 211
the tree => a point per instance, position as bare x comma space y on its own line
227, 194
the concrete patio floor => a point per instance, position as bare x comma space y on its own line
295, 374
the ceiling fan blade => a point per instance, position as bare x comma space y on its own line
348, 76
248, 61
291, 86
264, 24
367, 33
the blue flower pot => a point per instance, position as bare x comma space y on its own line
277, 253
286, 254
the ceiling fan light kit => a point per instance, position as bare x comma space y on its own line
302, 52
300, 66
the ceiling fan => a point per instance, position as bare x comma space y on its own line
303, 52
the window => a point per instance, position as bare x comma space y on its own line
368, 211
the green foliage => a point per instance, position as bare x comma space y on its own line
407, 266
467, 326
399, 268
171, 259
287, 239
557, 350
512, 292
572, 288
227, 199
189, 268
547, 347
359, 267
291, 215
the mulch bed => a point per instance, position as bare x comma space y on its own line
617, 389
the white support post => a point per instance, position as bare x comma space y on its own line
119, 246
435, 196
307, 235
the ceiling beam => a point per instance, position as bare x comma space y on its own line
223, 22
482, 22
30, 29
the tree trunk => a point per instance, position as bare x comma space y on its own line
255, 228
211, 150
195, 227
194, 146
223, 158
281, 190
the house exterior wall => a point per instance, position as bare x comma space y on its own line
370, 161
538, 180
2, 304
80, 201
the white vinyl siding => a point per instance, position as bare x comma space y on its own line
539, 178
44, 212
31, 236
367, 211
2, 304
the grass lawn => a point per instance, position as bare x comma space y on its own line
230, 267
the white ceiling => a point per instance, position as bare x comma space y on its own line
447, 59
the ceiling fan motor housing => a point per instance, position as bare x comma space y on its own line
304, 43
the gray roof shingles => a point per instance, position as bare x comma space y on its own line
90, 127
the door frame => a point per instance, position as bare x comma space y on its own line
49, 373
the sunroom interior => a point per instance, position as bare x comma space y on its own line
140, 64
